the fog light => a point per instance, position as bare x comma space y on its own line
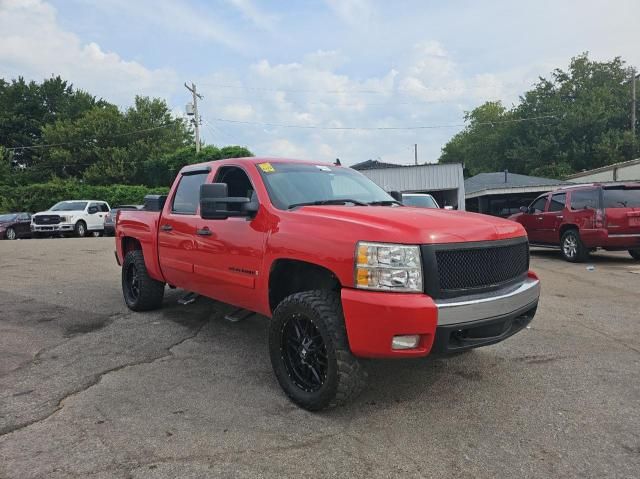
405, 342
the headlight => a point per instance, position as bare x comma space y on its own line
388, 267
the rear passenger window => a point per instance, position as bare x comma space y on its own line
582, 199
187, 196
621, 197
103, 207
557, 202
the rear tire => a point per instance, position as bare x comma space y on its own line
81, 229
572, 248
310, 352
141, 292
635, 254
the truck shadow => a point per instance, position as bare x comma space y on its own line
434, 379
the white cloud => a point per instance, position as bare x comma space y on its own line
259, 18
44, 49
356, 13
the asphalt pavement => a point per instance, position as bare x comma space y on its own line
89, 389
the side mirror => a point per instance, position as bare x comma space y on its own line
92, 210
396, 195
524, 209
215, 202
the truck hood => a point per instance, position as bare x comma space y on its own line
61, 213
413, 225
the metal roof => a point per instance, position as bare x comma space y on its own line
610, 167
410, 178
486, 183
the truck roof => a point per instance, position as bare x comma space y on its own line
254, 160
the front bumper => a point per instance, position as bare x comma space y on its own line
372, 319
59, 228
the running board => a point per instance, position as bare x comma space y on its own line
238, 315
188, 298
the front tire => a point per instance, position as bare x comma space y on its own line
572, 248
81, 229
310, 352
10, 234
635, 254
141, 292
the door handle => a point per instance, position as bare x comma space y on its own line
166, 227
204, 231
539, 218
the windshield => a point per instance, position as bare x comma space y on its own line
425, 201
70, 206
5, 218
621, 197
298, 183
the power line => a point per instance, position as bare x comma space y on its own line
378, 128
80, 142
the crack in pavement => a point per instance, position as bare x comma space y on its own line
95, 380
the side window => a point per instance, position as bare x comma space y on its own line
24, 217
97, 205
185, 201
238, 184
557, 202
538, 205
582, 199
103, 207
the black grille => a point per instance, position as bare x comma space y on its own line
453, 270
46, 219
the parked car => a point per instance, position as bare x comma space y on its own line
580, 219
419, 200
343, 270
112, 217
77, 217
15, 225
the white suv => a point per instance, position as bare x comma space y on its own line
78, 217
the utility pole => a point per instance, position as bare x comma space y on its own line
415, 153
633, 102
196, 117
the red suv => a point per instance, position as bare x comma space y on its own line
583, 218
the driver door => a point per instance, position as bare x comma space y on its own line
228, 253
532, 220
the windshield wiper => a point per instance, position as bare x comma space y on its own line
385, 203
337, 201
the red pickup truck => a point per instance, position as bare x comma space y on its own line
342, 269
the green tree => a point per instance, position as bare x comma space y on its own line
589, 103
25, 108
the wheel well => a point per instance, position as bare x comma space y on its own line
130, 244
564, 228
289, 276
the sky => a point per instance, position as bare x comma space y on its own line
314, 79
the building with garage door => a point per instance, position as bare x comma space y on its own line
445, 182
624, 171
502, 193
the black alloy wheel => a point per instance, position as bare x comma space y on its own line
132, 283
141, 292
309, 351
304, 353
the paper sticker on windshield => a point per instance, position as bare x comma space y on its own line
323, 168
266, 167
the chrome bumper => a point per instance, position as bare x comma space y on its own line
50, 228
491, 305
